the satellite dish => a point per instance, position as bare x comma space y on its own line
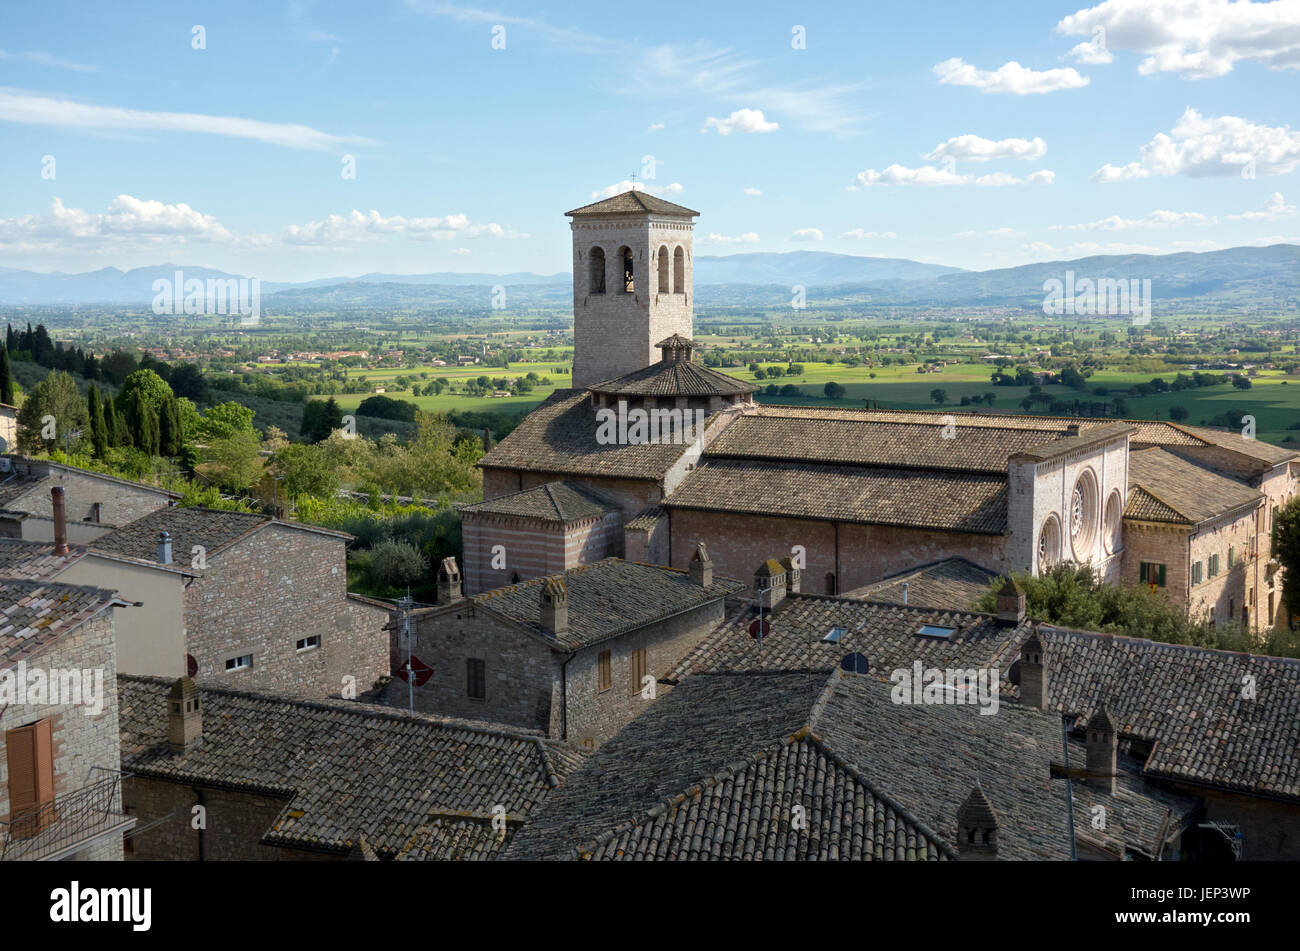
191, 666
759, 628
854, 663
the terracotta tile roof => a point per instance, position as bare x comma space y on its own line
1264, 452
1192, 493
888, 635
1190, 702
1090, 436
714, 769
645, 519
560, 436
16, 486
416, 787
953, 584
35, 561
871, 443
606, 598
562, 502
213, 529
963, 502
674, 378
34, 614
634, 201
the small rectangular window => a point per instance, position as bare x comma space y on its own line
307, 643
1214, 566
1153, 574
242, 662
476, 678
603, 677
638, 670
934, 630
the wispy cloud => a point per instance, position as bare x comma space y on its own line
17, 105
41, 58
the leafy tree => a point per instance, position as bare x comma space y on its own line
55, 396
141, 421
304, 470
98, 428
1178, 413
226, 420
833, 391
152, 388
1286, 549
319, 419
395, 564
385, 407
234, 461
187, 380
1241, 382
939, 396
6, 379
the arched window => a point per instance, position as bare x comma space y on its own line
663, 270
597, 265
625, 256
1049, 543
679, 271
1083, 516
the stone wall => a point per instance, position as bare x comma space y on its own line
264, 593
80, 742
119, 501
533, 548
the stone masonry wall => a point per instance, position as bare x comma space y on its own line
120, 502
533, 548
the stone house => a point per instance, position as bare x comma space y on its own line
264, 604
576, 654
60, 766
281, 779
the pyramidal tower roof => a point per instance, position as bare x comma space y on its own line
634, 201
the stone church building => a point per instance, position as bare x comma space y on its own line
855, 495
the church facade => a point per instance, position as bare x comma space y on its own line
852, 495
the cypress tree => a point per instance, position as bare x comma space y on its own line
6, 379
113, 430
170, 437
98, 428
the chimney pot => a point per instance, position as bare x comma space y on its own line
449, 589
1101, 749
770, 583
60, 521
184, 716
555, 606
164, 548
701, 566
1011, 603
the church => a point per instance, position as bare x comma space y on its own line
853, 497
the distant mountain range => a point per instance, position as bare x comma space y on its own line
1263, 275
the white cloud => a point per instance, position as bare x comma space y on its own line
1195, 38
929, 175
627, 185
753, 192
370, 226
41, 58
976, 149
807, 234
463, 252
857, 234
743, 121
749, 237
1092, 53
126, 217
992, 233
654, 127
1200, 147
1157, 219
1275, 207
1010, 78
17, 105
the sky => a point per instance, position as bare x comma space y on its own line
293, 141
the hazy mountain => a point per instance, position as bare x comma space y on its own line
1242, 275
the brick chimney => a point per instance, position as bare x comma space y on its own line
701, 566
792, 576
1100, 759
184, 718
977, 828
769, 584
1011, 603
448, 581
60, 521
1072, 430
164, 548
555, 606
1033, 673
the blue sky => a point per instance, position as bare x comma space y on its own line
966, 134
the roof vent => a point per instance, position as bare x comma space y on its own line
934, 630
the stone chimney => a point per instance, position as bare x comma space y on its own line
60, 521
1011, 603
555, 606
701, 566
977, 828
184, 718
1100, 759
1033, 673
792, 576
769, 584
1072, 429
164, 548
361, 851
448, 581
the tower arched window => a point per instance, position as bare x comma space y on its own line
663, 270
597, 266
679, 271
625, 257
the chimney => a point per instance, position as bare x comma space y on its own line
448, 581
904, 592
60, 521
555, 606
769, 584
1100, 759
793, 576
184, 718
1011, 603
1033, 673
701, 566
977, 828
1072, 429
164, 548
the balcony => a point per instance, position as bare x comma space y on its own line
67, 824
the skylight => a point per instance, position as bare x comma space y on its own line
932, 630
834, 635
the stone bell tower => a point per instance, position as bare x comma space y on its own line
632, 266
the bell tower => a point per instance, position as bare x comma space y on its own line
632, 268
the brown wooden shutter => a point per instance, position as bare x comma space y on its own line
30, 754
602, 671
